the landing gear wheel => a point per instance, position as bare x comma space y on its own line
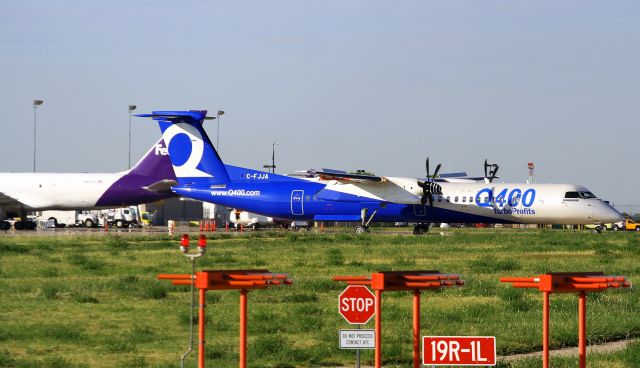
361, 229
5, 225
420, 229
52, 222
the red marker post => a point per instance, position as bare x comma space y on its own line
459, 350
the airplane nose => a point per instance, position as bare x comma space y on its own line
606, 214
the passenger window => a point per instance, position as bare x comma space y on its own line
464, 199
486, 199
456, 199
439, 198
448, 199
471, 199
572, 195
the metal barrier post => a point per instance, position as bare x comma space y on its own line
416, 329
568, 282
582, 329
242, 280
545, 330
243, 328
201, 320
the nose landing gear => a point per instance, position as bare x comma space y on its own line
420, 229
364, 227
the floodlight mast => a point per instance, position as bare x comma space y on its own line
36, 103
273, 158
131, 108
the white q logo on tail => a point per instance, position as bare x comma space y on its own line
188, 169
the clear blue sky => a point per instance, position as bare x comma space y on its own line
340, 84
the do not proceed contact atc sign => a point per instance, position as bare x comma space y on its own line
357, 339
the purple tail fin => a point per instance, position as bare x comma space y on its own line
148, 181
155, 164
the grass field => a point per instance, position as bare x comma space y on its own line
94, 301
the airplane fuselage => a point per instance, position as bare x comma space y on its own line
313, 199
66, 191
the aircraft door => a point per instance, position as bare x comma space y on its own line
419, 210
297, 205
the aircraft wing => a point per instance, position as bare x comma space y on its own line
385, 191
6, 200
12, 202
330, 174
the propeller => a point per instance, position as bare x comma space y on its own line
429, 187
490, 171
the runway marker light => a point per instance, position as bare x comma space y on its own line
184, 243
202, 242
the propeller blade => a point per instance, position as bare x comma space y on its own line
427, 167
435, 173
494, 173
485, 168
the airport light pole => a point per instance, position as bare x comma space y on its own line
273, 159
218, 115
131, 108
36, 103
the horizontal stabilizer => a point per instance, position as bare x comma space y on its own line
161, 186
196, 115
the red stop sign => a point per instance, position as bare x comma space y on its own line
357, 304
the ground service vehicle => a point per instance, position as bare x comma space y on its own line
630, 225
120, 217
54, 218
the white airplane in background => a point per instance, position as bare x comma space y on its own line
148, 181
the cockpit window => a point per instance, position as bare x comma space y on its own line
583, 195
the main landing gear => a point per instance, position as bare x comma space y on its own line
600, 229
420, 229
364, 227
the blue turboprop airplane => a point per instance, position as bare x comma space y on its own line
330, 195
